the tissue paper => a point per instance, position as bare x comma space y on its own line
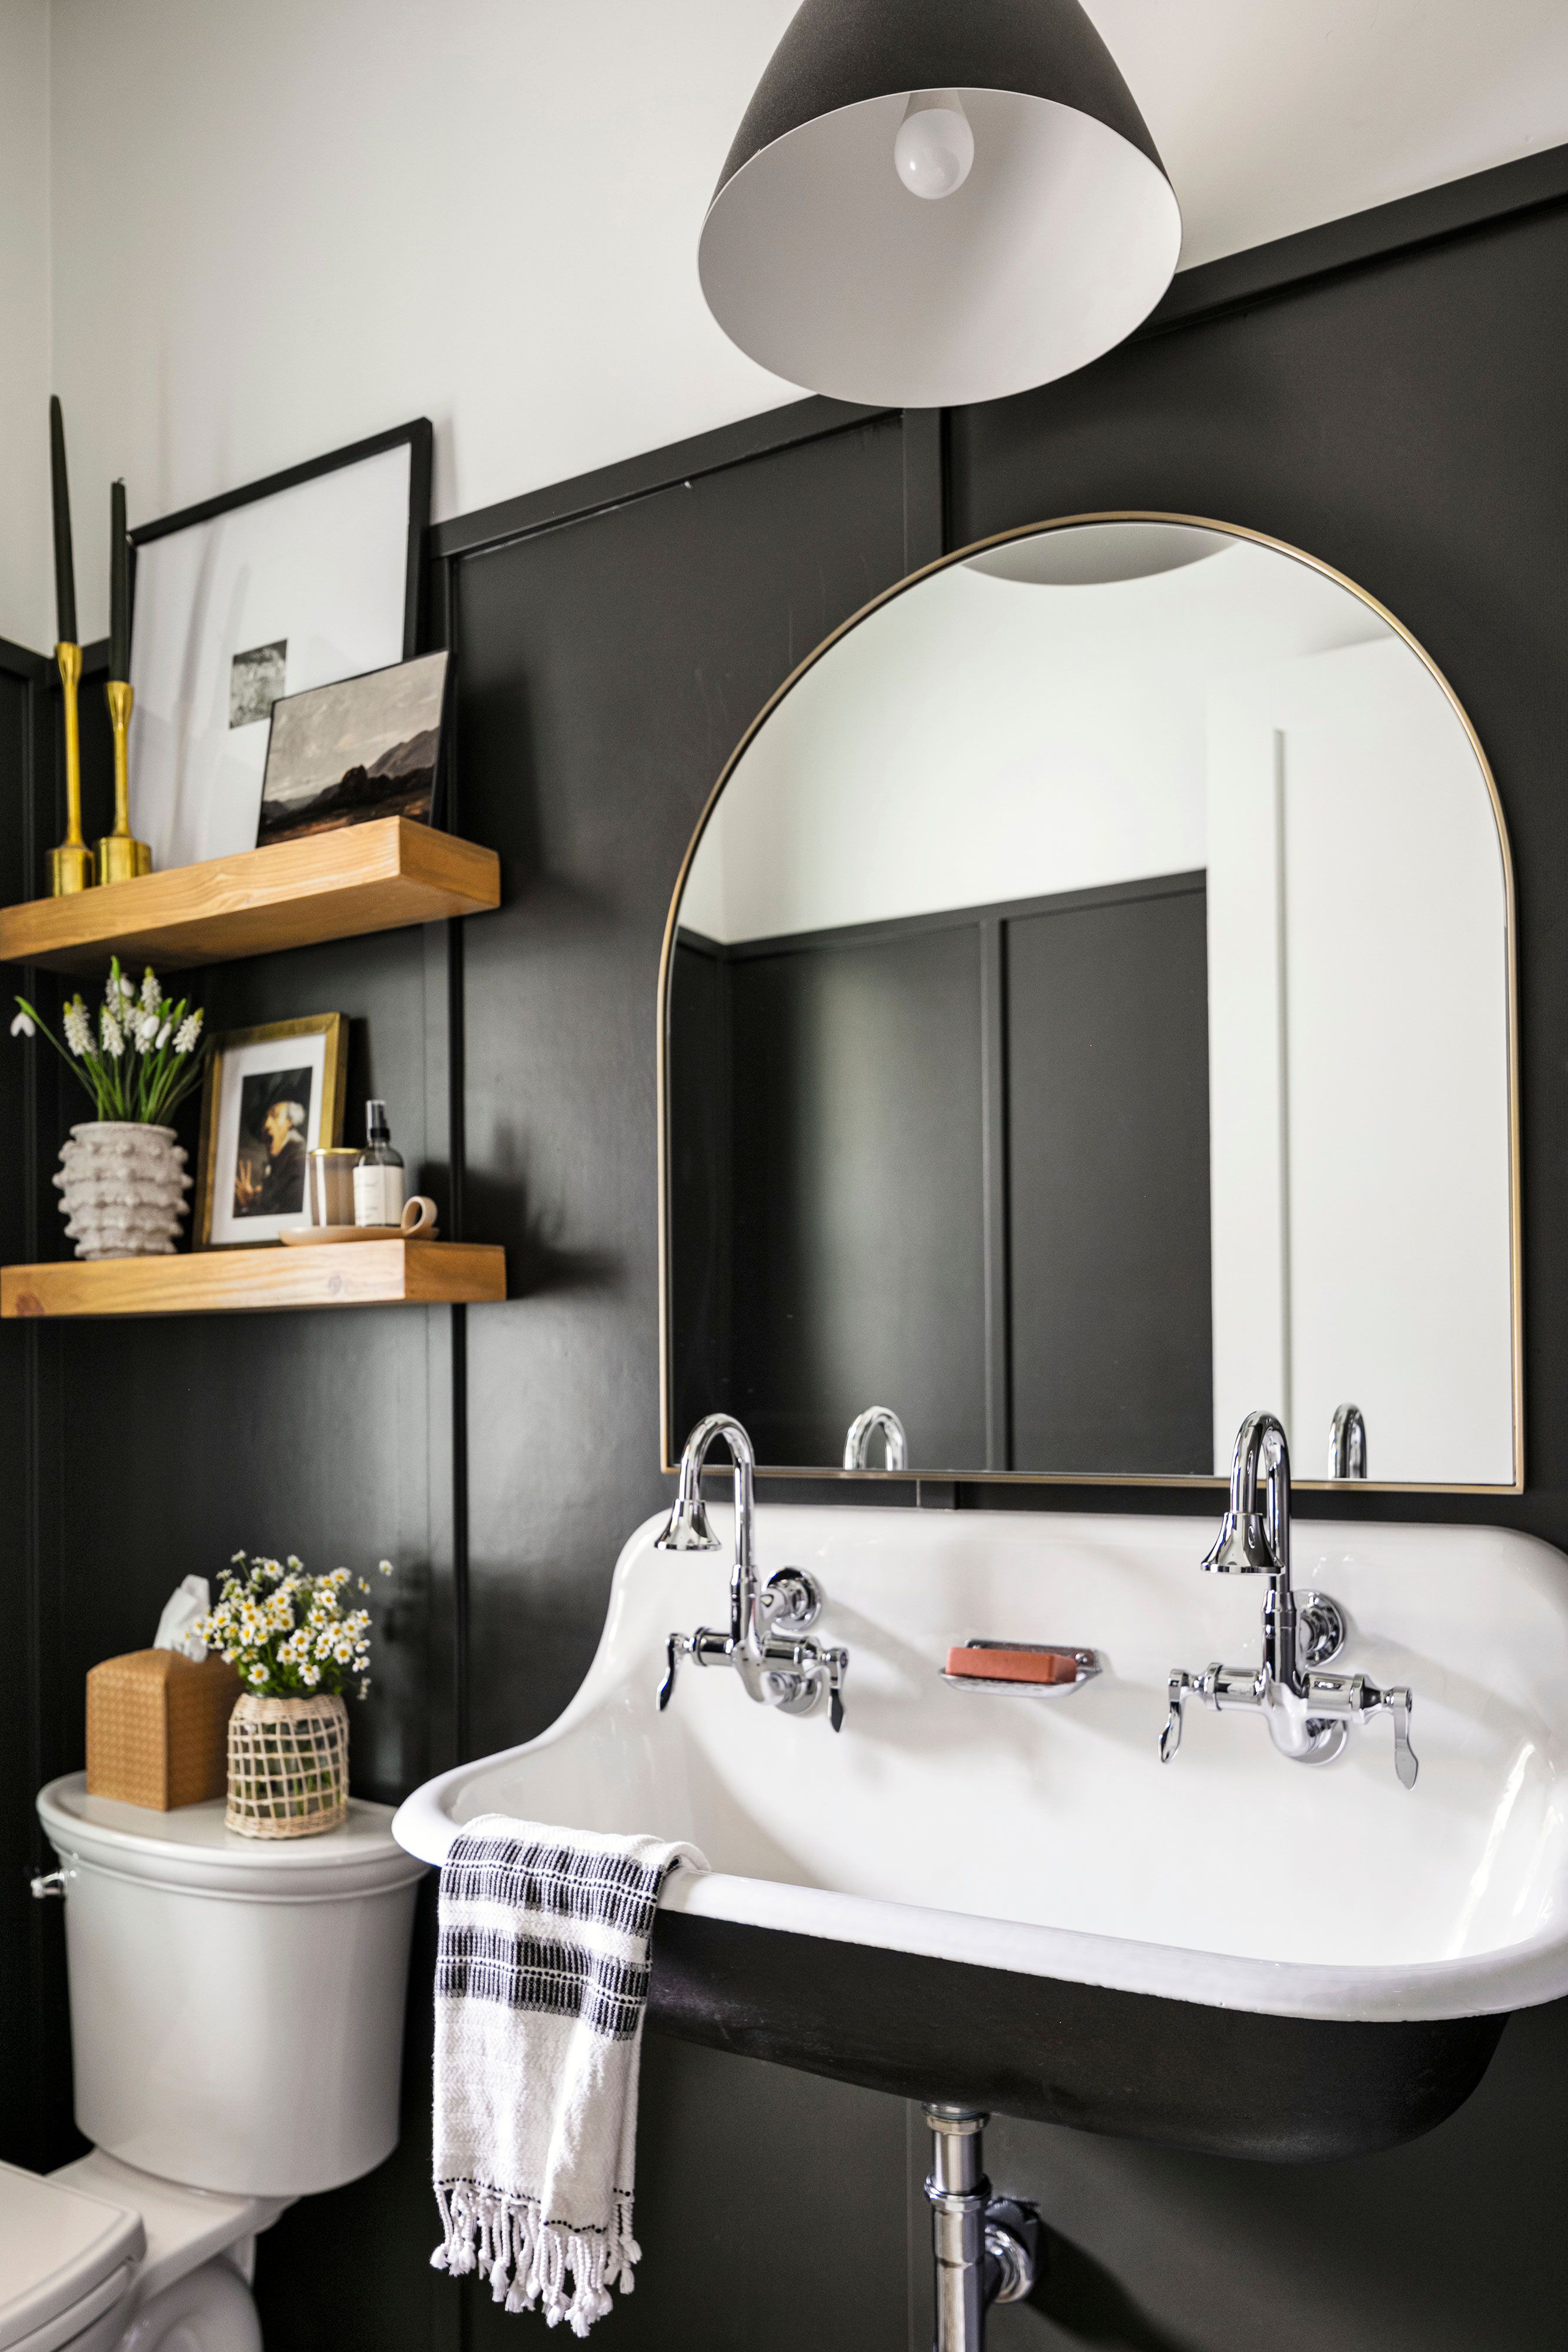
191, 1600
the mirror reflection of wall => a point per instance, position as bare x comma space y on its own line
1089, 1019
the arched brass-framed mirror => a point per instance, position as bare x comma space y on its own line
1087, 1013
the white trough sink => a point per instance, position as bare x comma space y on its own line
1008, 1897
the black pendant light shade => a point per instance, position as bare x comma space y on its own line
820, 257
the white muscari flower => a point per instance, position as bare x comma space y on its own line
78, 1036
110, 1031
151, 994
23, 1027
185, 1036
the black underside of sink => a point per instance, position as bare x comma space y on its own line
1222, 2082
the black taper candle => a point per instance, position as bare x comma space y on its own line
65, 571
119, 587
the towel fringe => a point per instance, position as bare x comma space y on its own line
527, 2261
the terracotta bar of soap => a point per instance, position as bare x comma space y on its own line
157, 1728
1014, 1665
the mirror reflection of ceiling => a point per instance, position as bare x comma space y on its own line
1072, 717
1090, 1022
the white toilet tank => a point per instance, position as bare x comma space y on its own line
236, 2004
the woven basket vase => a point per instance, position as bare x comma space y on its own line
289, 1766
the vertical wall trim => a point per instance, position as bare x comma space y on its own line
447, 1336
456, 1156
1282, 998
925, 487
994, 1181
460, 1705
36, 745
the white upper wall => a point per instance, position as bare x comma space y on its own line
26, 610
1277, 115
280, 226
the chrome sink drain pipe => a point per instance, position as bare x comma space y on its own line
986, 2248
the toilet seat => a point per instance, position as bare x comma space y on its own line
67, 2260
94, 2324
100, 2258
184, 2228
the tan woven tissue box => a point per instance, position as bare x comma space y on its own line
157, 1728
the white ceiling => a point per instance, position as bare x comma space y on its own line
1273, 115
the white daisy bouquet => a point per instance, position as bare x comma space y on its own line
139, 1059
292, 1634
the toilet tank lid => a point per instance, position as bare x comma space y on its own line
189, 1848
55, 2246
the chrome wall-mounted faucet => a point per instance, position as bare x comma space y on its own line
1347, 1442
768, 1642
1307, 1713
864, 1427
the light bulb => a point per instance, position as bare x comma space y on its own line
934, 147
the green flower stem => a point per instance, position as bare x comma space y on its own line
142, 1086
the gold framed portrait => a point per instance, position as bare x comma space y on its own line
270, 1097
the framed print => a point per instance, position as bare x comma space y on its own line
296, 582
270, 1097
342, 754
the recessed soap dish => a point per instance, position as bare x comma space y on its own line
1023, 1669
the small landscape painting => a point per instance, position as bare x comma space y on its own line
366, 748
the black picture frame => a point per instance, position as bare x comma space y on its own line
418, 435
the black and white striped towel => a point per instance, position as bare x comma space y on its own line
541, 1979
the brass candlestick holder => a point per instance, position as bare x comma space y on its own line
122, 857
71, 866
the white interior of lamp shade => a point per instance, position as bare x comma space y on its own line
821, 266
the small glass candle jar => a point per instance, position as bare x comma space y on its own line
331, 1186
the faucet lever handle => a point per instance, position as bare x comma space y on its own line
838, 1666
1181, 1682
1399, 1701
679, 1646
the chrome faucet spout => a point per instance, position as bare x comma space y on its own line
776, 1667
687, 1528
1347, 1442
1307, 1713
1254, 1537
864, 1427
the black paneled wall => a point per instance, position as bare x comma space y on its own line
955, 1163
1400, 417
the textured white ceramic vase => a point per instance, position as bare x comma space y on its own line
123, 1189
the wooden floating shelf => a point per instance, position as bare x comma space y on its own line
379, 877
243, 1281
